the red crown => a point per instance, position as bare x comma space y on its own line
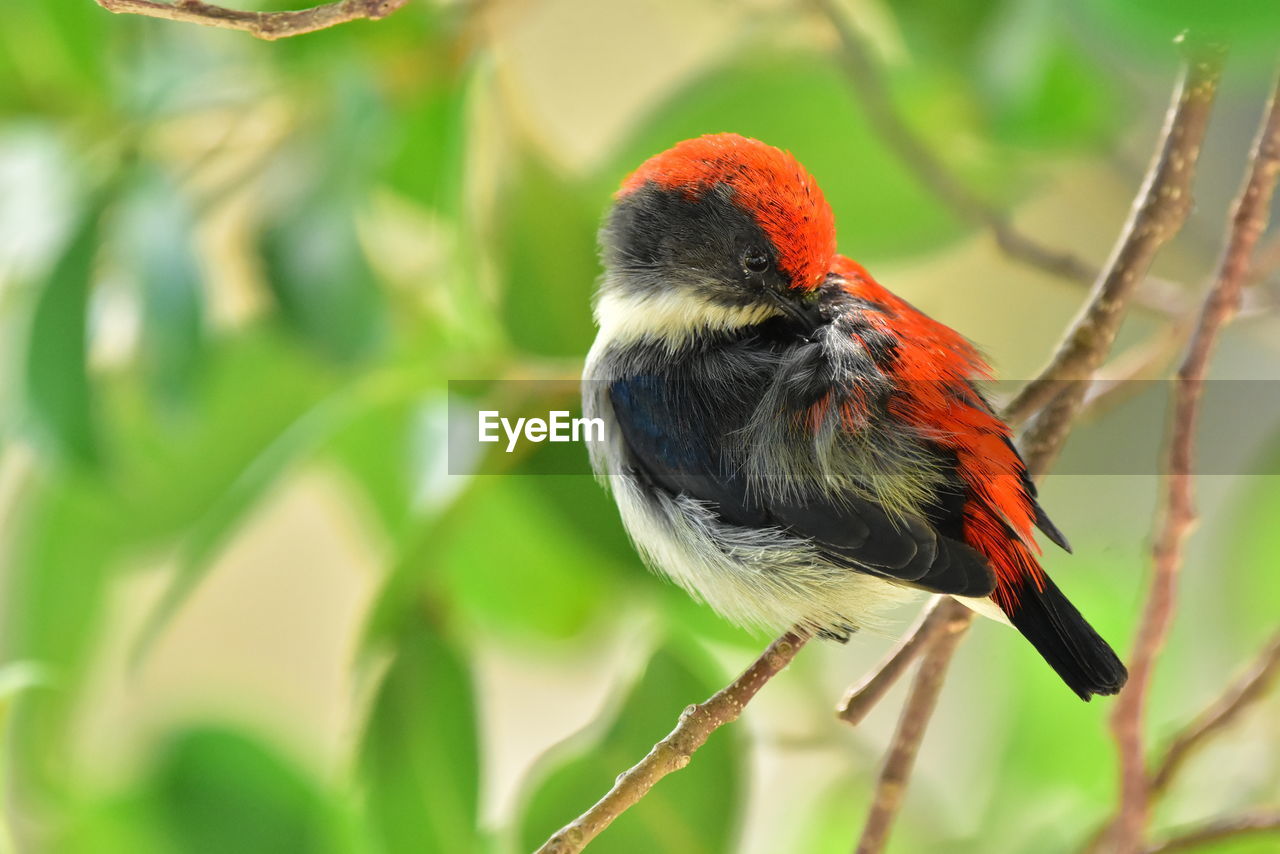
767, 182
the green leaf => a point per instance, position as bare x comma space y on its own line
1037, 84
301, 439
695, 809
504, 559
547, 228
124, 824
427, 162
55, 58
58, 391
311, 253
322, 282
419, 758
514, 565
951, 32
53, 610
159, 247
375, 452
168, 472
219, 790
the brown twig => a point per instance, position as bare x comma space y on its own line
673, 753
1167, 185
864, 76
861, 698
891, 786
1248, 222
1246, 690
1158, 213
1259, 821
264, 25
1148, 360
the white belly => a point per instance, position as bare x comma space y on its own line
755, 577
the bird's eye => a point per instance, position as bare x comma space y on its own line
755, 261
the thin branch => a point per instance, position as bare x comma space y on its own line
1178, 153
1246, 690
673, 753
1158, 212
864, 76
1116, 381
1248, 222
1259, 821
892, 785
264, 25
861, 698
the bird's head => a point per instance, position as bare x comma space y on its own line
718, 232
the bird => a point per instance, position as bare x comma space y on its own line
790, 441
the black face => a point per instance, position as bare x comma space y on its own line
657, 240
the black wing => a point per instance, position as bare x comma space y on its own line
676, 427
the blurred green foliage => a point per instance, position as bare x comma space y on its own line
302, 242
694, 811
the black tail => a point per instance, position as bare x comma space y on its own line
1055, 628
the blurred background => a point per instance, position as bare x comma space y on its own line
248, 604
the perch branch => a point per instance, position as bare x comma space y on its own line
264, 25
953, 620
1158, 212
1260, 821
1171, 170
674, 752
1248, 222
861, 698
1246, 690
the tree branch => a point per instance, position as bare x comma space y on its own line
861, 698
673, 753
1260, 821
1144, 361
953, 620
1248, 222
1167, 186
264, 25
1158, 213
869, 85
1246, 690
864, 77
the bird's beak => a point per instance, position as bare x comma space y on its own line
803, 314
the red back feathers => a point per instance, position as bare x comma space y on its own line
933, 366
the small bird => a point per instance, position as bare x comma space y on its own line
788, 440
